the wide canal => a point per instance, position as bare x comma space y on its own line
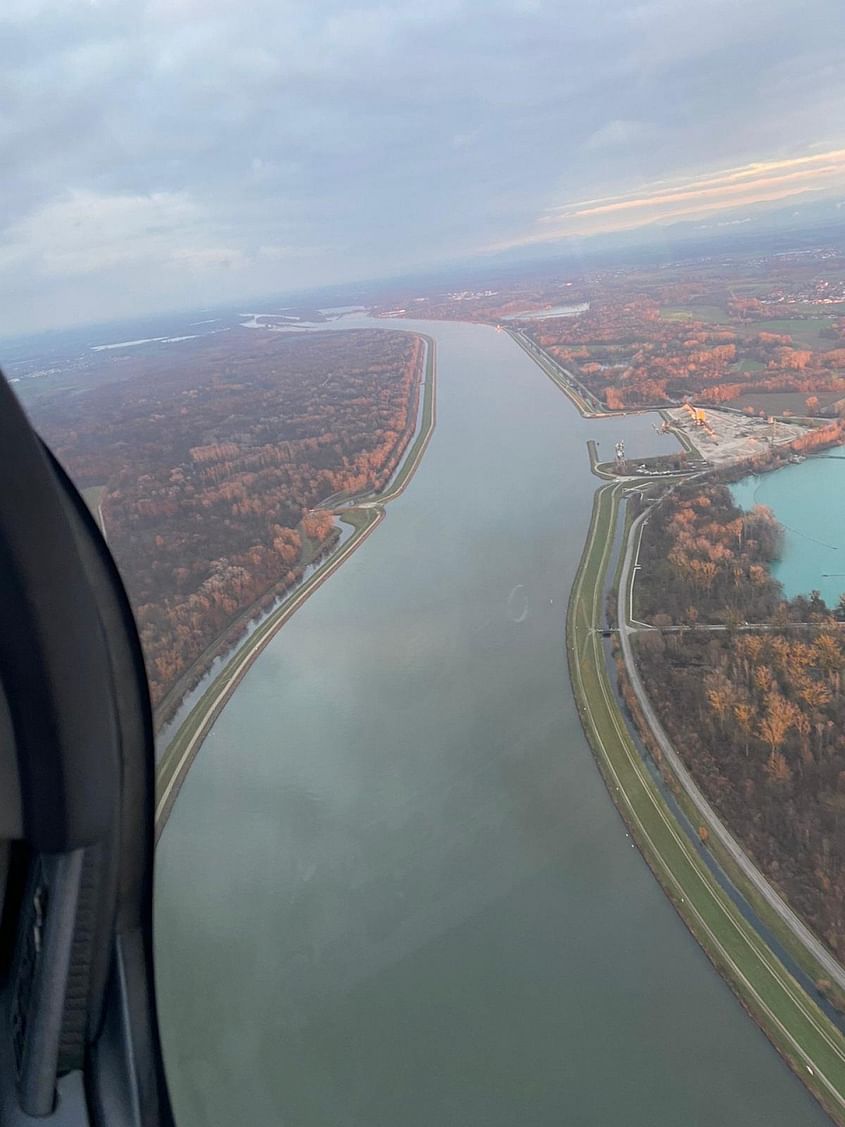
393, 891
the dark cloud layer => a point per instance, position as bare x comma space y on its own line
175, 152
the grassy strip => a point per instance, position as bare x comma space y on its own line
173, 767
413, 456
761, 907
794, 1023
617, 571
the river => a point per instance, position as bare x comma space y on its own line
393, 891
807, 500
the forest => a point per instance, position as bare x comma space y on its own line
758, 716
762, 332
629, 353
219, 468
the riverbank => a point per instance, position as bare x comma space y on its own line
796, 1026
364, 517
411, 865
575, 391
238, 631
236, 634
774, 918
726, 439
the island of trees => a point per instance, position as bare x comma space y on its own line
757, 715
218, 468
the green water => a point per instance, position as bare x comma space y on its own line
809, 501
394, 892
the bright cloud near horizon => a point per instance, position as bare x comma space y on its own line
171, 153
693, 198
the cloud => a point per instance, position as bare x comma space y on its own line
288, 144
619, 132
755, 183
87, 233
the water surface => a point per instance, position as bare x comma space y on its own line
393, 891
809, 501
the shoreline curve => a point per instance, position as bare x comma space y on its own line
173, 768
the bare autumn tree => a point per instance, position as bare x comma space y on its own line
720, 694
744, 713
777, 721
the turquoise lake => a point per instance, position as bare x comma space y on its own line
809, 501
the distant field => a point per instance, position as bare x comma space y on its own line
803, 331
712, 313
776, 402
811, 309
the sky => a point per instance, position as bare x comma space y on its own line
163, 154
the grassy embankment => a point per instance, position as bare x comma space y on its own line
794, 1023
414, 455
175, 763
604, 528
806, 332
714, 314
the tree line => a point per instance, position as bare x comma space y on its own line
759, 718
216, 463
